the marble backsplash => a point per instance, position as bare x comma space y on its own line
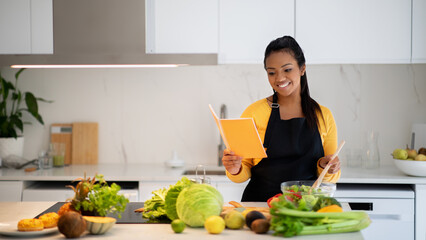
146, 114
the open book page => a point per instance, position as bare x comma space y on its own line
240, 136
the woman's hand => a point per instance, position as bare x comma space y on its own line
335, 164
231, 162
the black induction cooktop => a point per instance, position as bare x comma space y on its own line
128, 216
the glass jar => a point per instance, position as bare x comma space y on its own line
371, 150
44, 160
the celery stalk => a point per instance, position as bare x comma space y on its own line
296, 213
288, 222
341, 227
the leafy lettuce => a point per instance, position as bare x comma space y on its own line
155, 207
172, 195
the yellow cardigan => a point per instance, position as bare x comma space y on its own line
260, 111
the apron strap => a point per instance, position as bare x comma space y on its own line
275, 115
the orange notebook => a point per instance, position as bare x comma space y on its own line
240, 136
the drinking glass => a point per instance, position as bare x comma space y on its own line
58, 154
371, 150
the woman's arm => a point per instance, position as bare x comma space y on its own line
329, 135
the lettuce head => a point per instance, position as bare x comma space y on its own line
198, 202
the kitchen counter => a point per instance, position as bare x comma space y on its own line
152, 177
388, 174
14, 211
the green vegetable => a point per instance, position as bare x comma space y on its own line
287, 221
155, 207
172, 195
324, 202
198, 202
101, 198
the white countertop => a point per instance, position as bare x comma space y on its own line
143, 172
14, 211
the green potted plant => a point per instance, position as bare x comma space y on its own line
11, 114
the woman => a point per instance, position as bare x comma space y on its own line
299, 135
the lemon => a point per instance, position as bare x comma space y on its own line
178, 225
214, 224
234, 220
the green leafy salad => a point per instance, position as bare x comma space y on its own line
295, 193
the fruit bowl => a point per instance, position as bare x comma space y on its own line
301, 188
411, 167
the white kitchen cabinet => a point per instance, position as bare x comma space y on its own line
247, 27
11, 191
420, 211
57, 191
419, 31
380, 201
147, 187
349, 31
26, 27
181, 26
230, 191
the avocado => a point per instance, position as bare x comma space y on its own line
253, 215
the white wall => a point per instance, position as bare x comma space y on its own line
145, 114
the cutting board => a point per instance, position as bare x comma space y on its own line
80, 139
84, 143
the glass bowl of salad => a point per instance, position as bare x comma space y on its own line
296, 189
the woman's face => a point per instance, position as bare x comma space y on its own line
284, 73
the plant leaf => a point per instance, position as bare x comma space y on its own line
18, 73
32, 105
44, 100
17, 121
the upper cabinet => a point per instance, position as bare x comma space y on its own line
26, 27
361, 31
184, 26
419, 31
247, 27
110, 32
210, 31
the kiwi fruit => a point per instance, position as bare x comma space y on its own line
72, 224
260, 226
252, 216
422, 151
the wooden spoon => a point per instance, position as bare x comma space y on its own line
317, 183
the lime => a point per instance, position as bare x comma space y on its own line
178, 225
214, 224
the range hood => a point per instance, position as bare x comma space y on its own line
102, 32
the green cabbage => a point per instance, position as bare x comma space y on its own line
198, 202
172, 195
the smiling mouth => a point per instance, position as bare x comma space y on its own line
284, 85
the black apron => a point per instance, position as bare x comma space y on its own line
293, 150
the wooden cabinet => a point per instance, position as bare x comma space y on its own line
419, 31
26, 27
348, 31
247, 27
181, 26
